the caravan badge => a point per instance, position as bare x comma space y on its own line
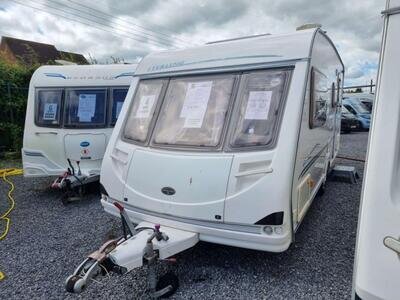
85, 144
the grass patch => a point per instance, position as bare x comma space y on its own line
10, 160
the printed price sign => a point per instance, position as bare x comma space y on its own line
195, 104
50, 111
145, 106
258, 105
86, 107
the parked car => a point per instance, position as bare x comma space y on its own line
359, 110
365, 98
349, 121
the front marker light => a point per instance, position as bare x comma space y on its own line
278, 230
268, 230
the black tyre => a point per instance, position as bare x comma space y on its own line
166, 280
321, 189
75, 284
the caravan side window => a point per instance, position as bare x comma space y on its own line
142, 110
118, 98
48, 107
260, 100
319, 98
86, 108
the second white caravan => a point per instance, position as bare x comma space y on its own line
70, 115
230, 140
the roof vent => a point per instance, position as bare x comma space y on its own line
309, 26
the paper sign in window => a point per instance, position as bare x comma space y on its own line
145, 106
118, 108
86, 107
258, 105
50, 111
195, 103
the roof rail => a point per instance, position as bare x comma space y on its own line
238, 38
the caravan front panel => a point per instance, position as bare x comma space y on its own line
210, 144
70, 115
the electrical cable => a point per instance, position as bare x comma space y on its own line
4, 173
82, 22
128, 22
113, 28
146, 35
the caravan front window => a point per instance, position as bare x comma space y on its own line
48, 107
260, 104
142, 110
86, 108
118, 98
194, 111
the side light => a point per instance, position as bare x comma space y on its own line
278, 229
268, 230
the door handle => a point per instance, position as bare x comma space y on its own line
392, 244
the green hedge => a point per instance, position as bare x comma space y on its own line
14, 83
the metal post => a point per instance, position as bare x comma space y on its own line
370, 88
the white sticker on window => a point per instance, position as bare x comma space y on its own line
50, 111
195, 103
118, 108
86, 107
145, 106
258, 105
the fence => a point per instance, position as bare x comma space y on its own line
13, 99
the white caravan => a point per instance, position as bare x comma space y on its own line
70, 115
377, 261
227, 143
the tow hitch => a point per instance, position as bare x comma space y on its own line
144, 244
73, 183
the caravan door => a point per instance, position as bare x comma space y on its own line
377, 262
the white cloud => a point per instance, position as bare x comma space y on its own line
354, 26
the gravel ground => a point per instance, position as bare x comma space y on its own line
48, 240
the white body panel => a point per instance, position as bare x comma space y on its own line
226, 195
46, 149
377, 267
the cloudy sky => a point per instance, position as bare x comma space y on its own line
131, 28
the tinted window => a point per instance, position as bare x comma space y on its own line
142, 109
194, 111
260, 99
86, 107
118, 98
48, 107
319, 98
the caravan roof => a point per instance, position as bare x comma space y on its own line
240, 52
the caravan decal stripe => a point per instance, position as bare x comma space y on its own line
311, 162
56, 75
183, 63
125, 75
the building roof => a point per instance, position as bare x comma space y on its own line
235, 52
30, 52
74, 57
